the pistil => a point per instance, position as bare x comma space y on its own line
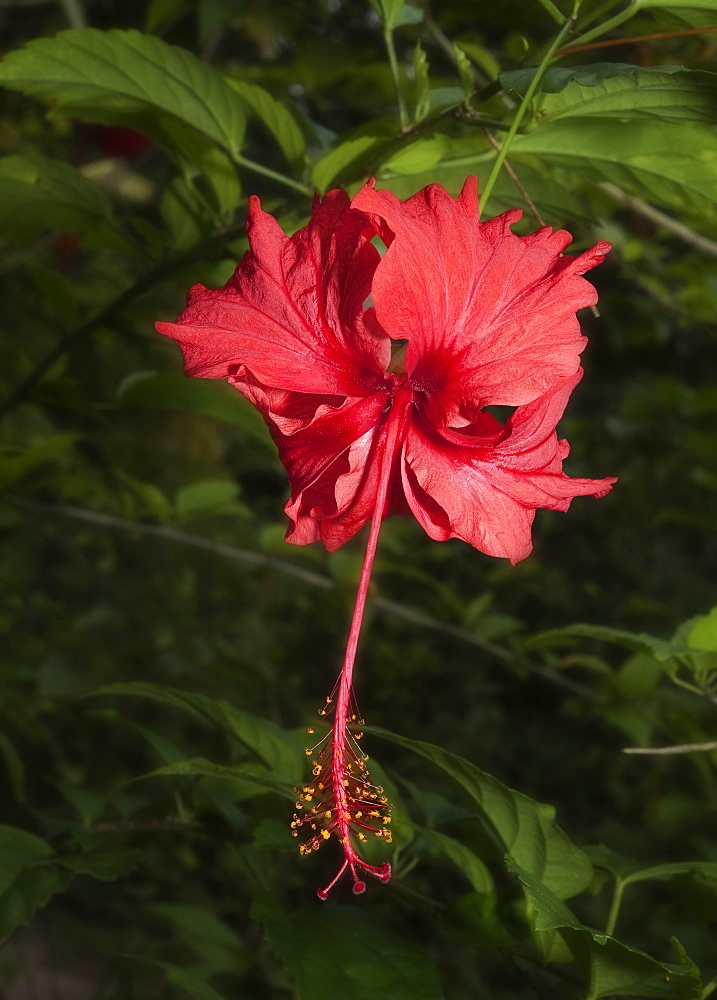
341, 799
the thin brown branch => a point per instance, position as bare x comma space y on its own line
677, 749
655, 36
678, 229
518, 183
383, 604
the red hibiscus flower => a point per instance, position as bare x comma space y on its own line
383, 409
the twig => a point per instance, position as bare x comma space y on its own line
518, 183
633, 39
680, 748
678, 229
315, 579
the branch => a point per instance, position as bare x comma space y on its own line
314, 579
680, 748
678, 229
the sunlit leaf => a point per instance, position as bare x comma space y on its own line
277, 119
667, 163
664, 93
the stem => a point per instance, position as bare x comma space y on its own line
343, 702
556, 14
709, 988
259, 168
523, 107
612, 22
599, 11
395, 73
615, 906
74, 13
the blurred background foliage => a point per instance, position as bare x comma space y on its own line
143, 554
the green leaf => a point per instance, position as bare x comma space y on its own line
610, 967
19, 850
664, 93
30, 891
465, 72
208, 497
640, 642
464, 858
350, 151
513, 822
703, 635
105, 866
199, 767
421, 84
198, 923
89, 804
177, 976
15, 465
265, 739
205, 397
668, 163
678, 14
389, 11
339, 951
421, 155
127, 78
39, 195
706, 869
277, 119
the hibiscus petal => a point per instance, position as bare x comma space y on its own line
486, 492
489, 316
292, 313
332, 453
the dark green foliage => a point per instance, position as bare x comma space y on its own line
165, 650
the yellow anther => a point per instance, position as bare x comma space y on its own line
325, 834
310, 731
308, 752
327, 814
